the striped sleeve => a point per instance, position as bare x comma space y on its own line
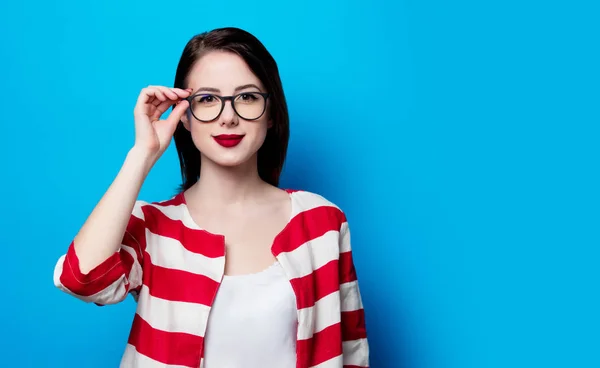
112, 280
355, 346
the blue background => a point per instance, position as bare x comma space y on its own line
461, 138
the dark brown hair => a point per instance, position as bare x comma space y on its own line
271, 155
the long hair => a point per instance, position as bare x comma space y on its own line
271, 155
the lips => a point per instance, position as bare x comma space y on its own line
228, 140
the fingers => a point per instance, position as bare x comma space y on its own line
177, 113
155, 100
173, 94
161, 93
160, 109
176, 96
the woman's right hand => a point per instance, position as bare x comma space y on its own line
153, 135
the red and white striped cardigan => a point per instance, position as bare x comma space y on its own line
173, 269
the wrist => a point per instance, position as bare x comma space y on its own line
141, 158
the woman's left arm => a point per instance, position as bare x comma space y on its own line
354, 331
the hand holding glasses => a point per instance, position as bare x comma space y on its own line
153, 135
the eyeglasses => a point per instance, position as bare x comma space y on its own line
207, 107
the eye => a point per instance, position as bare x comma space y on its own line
207, 99
248, 97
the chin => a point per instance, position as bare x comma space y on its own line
229, 161
229, 157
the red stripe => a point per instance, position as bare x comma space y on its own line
175, 201
99, 278
175, 348
311, 288
323, 281
347, 269
324, 345
308, 225
353, 325
177, 285
197, 241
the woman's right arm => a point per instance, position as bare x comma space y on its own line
103, 262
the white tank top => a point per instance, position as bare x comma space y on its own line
253, 322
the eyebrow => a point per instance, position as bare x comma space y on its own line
237, 89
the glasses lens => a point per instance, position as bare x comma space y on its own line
250, 105
206, 107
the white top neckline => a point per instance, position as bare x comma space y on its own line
253, 275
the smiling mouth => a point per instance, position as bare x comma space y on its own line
228, 140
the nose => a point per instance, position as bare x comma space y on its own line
228, 115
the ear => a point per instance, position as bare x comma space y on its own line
270, 124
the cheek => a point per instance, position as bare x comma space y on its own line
260, 132
200, 134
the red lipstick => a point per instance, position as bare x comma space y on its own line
228, 140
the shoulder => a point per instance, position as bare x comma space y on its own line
171, 207
314, 205
311, 200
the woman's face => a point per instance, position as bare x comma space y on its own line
227, 139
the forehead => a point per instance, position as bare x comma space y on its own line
222, 70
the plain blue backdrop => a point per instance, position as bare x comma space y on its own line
461, 138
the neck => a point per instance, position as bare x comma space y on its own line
219, 185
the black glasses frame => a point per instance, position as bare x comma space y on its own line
225, 99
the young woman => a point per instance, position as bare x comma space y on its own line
232, 272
